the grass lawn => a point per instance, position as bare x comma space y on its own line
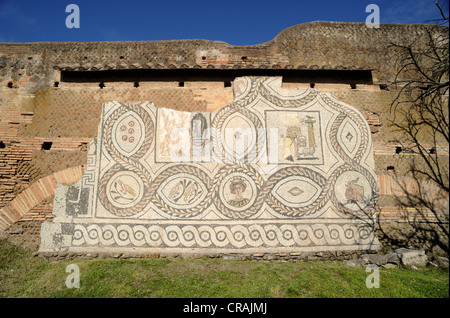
22, 275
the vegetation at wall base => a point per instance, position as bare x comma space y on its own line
23, 275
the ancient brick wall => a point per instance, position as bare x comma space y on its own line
38, 110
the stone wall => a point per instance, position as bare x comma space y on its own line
37, 107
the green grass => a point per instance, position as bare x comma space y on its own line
22, 275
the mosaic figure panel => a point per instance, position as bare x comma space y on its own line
276, 170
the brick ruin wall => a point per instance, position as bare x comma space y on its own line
38, 108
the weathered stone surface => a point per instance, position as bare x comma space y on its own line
276, 171
313, 45
392, 258
381, 259
410, 257
373, 259
442, 262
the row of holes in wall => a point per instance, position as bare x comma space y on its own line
47, 145
181, 84
244, 58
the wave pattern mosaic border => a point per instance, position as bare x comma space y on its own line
221, 236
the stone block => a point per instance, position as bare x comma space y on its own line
392, 258
409, 257
442, 262
381, 259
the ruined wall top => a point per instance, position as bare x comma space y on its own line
313, 45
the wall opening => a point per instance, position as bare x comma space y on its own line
47, 145
2, 145
83, 146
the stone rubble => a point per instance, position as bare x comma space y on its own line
399, 258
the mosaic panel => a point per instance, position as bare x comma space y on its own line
276, 170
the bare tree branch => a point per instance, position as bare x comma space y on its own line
421, 115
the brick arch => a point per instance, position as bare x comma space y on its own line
35, 194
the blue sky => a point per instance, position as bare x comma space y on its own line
243, 22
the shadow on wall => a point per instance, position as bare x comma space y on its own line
423, 208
